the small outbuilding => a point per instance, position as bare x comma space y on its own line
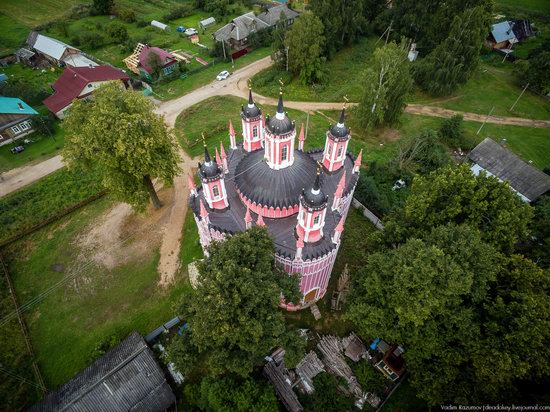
127, 378
15, 119
160, 25
490, 157
203, 24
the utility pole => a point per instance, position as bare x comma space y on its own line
519, 97
223, 46
487, 118
388, 35
286, 49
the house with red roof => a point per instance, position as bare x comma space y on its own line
79, 83
168, 64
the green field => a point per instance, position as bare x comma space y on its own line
12, 34
96, 303
525, 5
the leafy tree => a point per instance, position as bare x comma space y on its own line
453, 61
451, 130
295, 349
102, 7
233, 314
455, 195
278, 48
234, 395
540, 242
387, 81
118, 134
422, 153
155, 63
472, 321
117, 32
305, 41
535, 72
326, 396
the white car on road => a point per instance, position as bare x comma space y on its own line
223, 75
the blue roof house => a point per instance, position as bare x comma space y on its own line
15, 119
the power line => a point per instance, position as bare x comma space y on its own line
21, 378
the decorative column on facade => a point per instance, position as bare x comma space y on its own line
339, 192
299, 247
224, 159
204, 228
252, 124
338, 231
248, 219
280, 133
192, 186
213, 183
336, 144
218, 158
357, 164
301, 139
260, 221
232, 140
312, 212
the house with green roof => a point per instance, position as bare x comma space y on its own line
15, 119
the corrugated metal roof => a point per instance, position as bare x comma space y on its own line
127, 378
524, 178
207, 22
503, 31
51, 47
273, 14
14, 105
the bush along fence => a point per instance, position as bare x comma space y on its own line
368, 214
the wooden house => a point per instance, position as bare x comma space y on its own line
56, 52
15, 119
139, 62
127, 378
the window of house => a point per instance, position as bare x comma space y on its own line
316, 220
16, 129
216, 191
25, 126
255, 131
284, 153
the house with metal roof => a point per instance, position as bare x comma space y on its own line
79, 83
507, 33
15, 119
236, 32
126, 378
56, 52
526, 180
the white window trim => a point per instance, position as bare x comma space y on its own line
284, 153
214, 190
15, 129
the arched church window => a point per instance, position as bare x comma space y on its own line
329, 150
216, 191
340, 151
284, 153
255, 131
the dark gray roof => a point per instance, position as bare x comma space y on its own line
127, 378
209, 168
526, 179
272, 15
277, 188
339, 129
283, 125
240, 27
313, 197
231, 220
250, 111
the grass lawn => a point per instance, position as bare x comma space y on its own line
492, 85
527, 5
344, 71
98, 303
43, 147
31, 13
12, 34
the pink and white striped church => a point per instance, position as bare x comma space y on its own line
301, 197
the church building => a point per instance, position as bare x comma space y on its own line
301, 197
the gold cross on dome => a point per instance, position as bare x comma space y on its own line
250, 83
318, 167
281, 86
346, 101
203, 139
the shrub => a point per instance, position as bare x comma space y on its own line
117, 32
179, 12
142, 23
127, 15
89, 39
451, 130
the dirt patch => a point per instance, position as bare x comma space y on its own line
391, 135
58, 267
120, 235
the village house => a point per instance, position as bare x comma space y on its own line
236, 33
507, 33
527, 181
388, 359
126, 378
15, 119
79, 83
139, 62
43, 50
